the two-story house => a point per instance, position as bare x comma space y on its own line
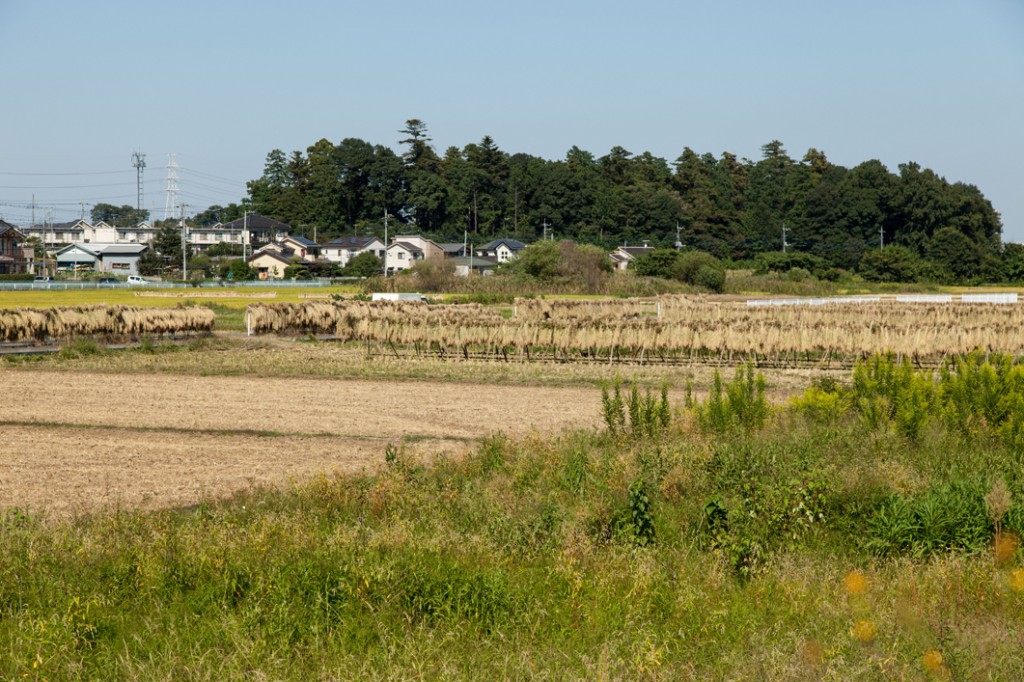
343, 249
500, 250
12, 256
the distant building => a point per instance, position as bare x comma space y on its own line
500, 250
624, 255
121, 259
12, 254
343, 249
406, 250
464, 265
257, 230
84, 232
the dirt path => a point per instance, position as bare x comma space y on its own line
73, 442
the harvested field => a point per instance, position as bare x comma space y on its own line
81, 441
72, 470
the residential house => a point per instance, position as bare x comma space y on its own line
406, 250
122, 259
143, 233
500, 250
12, 255
305, 249
84, 232
270, 262
624, 255
453, 249
479, 265
343, 249
201, 238
257, 230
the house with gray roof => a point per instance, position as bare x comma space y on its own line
624, 255
500, 250
118, 259
343, 249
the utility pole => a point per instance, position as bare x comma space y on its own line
82, 204
881, 238
245, 235
385, 242
784, 244
184, 244
545, 225
679, 242
139, 163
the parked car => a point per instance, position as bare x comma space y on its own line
43, 280
107, 280
135, 280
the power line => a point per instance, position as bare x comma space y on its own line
67, 174
113, 184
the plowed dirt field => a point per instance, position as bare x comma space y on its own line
74, 442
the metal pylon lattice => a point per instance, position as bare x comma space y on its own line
172, 187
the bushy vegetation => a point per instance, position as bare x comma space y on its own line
729, 207
867, 529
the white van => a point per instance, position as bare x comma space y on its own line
136, 281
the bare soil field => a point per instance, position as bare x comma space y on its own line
79, 441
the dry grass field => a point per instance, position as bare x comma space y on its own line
78, 441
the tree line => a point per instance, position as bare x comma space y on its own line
729, 207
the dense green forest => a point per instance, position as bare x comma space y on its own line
730, 207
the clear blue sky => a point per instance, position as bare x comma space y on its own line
221, 83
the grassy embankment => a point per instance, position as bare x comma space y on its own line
865, 531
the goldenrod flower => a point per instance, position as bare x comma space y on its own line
855, 582
1005, 548
1017, 579
864, 631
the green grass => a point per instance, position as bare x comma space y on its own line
728, 550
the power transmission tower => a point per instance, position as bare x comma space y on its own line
139, 163
172, 187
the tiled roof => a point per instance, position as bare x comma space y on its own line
512, 244
351, 243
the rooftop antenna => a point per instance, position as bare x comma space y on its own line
172, 187
139, 163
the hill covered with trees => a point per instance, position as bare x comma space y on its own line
730, 207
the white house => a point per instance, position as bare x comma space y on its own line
500, 250
343, 249
84, 232
402, 256
406, 250
624, 255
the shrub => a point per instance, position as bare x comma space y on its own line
742, 404
689, 264
648, 416
711, 278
